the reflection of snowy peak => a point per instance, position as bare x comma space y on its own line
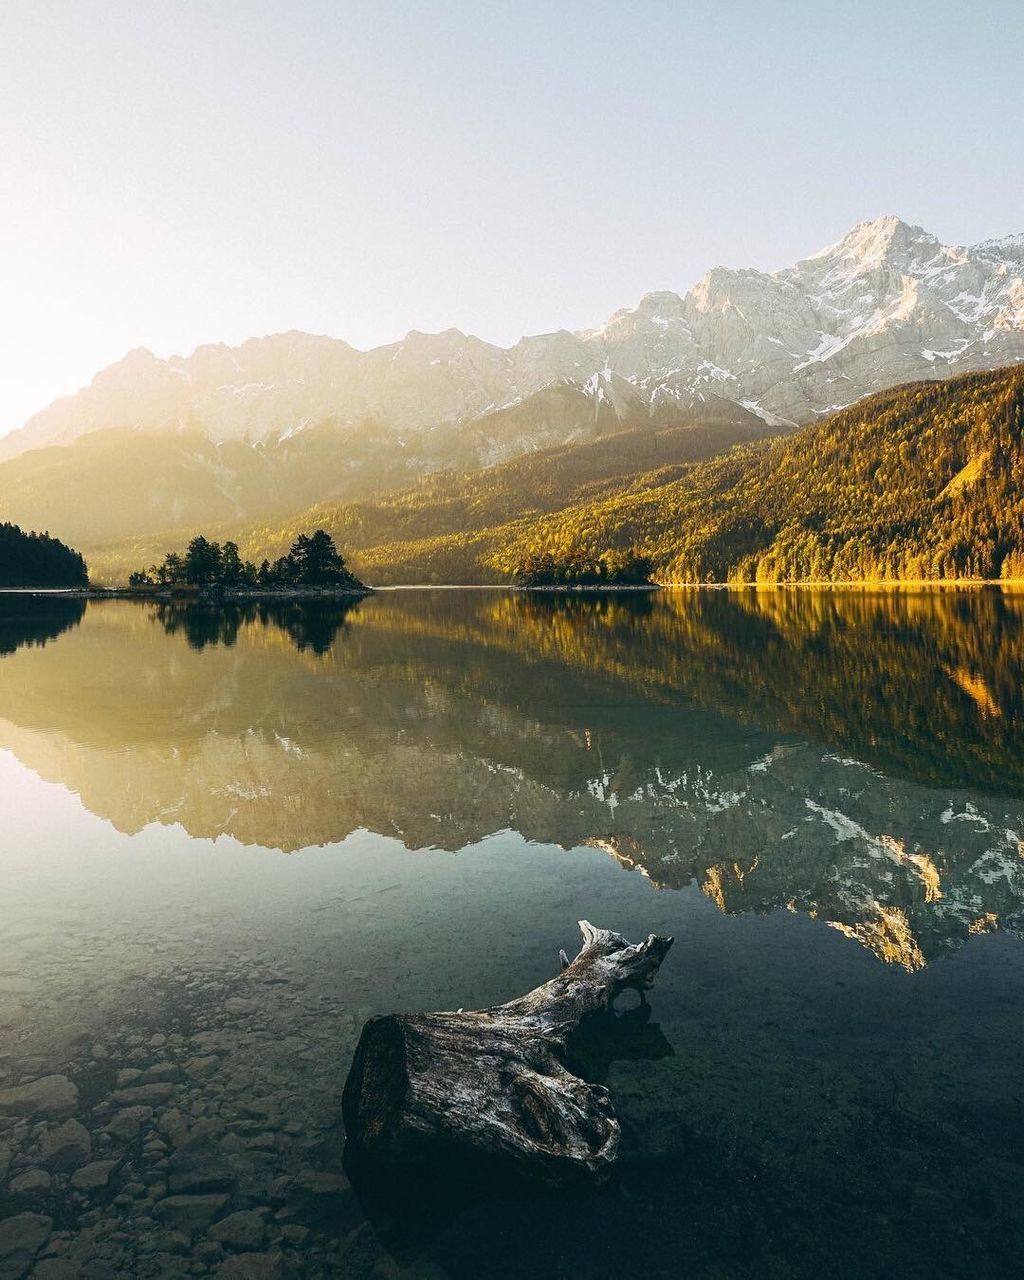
886, 304
905, 870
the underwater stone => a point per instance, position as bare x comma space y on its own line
93, 1176
67, 1146
52, 1096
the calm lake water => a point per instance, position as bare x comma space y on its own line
227, 837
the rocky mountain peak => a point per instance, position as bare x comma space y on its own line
660, 305
883, 245
875, 240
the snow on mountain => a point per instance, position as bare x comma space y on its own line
887, 303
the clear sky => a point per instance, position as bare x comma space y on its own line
188, 171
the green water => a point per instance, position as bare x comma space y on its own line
227, 837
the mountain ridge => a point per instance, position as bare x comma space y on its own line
886, 303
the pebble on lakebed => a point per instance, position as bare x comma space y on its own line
197, 1142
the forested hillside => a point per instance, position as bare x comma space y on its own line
37, 560
542, 482
458, 502
923, 482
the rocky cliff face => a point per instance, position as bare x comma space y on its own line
886, 304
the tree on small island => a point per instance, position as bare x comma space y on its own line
607, 569
313, 561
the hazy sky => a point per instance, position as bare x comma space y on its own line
188, 171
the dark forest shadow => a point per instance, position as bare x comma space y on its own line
311, 625
35, 620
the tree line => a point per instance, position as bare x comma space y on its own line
312, 561
608, 569
38, 560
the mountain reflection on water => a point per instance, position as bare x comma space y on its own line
854, 757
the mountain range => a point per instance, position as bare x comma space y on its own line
277, 424
887, 303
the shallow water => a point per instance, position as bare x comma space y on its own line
228, 837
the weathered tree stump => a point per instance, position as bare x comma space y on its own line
494, 1083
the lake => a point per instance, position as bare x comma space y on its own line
229, 836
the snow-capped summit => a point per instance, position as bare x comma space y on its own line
869, 243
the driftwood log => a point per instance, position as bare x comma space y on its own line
493, 1084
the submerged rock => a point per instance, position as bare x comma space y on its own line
127, 1123
161, 1072
245, 1230
252, 1266
202, 1065
33, 1182
21, 1238
144, 1095
200, 1170
238, 1007
51, 1096
67, 1146
190, 1214
93, 1176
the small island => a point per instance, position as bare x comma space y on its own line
576, 569
312, 567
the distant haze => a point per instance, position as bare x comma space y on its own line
185, 173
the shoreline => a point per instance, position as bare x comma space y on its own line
853, 584
916, 584
351, 593
172, 597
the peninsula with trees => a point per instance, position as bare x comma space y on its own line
312, 566
29, 560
